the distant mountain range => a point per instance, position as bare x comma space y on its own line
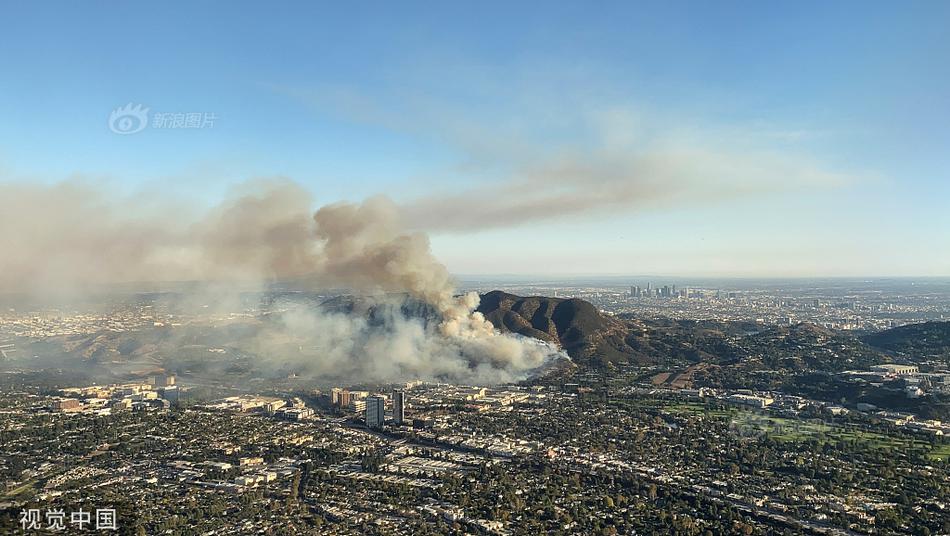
593, 338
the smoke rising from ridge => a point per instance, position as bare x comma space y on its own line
73, 237
395, 347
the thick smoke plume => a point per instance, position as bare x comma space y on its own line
396, 347
74, 238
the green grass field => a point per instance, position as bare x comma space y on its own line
941, 453
750, 422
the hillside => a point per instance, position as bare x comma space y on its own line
592, 338
576, 325
809, 347
930, 339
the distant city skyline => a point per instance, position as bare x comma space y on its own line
688, 139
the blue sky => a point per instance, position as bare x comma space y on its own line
745, 138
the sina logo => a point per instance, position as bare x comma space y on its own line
128, 119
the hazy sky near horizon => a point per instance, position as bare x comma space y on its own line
678, 138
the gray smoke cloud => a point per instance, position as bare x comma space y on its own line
611, 180
74, 237
550, 150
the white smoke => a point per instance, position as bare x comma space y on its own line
75, 237
336, 345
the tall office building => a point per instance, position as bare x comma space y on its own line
399, 406
172, 394
375, 411
335, 394
164, 380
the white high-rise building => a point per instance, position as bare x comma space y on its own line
375, 411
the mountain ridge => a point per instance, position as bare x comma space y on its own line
591, 337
